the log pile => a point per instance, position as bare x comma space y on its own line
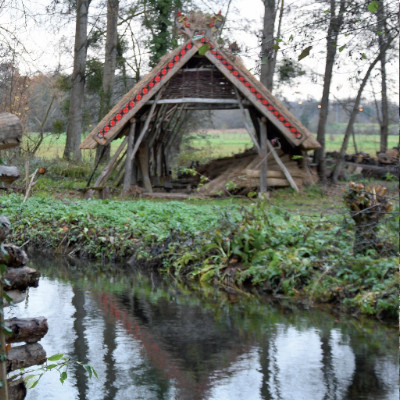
18, 278
240, 174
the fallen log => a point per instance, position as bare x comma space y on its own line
28, 330
10, 131
21, 278
25, 356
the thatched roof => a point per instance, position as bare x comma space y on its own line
219, 83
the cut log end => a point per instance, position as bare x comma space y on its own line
25, 356
10, 131
28, 330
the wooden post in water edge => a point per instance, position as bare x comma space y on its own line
3, 355
264, 155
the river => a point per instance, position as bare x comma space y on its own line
149, 338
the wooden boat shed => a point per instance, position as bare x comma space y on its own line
196, 76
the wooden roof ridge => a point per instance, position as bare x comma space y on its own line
234, 71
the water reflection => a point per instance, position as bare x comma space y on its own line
149, 340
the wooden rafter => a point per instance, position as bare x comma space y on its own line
246, 124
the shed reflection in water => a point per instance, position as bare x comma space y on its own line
149, 340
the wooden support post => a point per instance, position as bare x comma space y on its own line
3, 362
144, 166
146, 125
109, 169
129, 160
159, 159
282, 166
264, 156
249, 129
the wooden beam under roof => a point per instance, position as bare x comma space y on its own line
195, 100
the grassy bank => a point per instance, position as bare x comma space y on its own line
228, 244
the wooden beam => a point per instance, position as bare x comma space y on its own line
213, 107
108, 170
264, 155
195, 100
249, 129
128, 159
282, 166
196, 69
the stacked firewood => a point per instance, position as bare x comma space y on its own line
17, 278
242, 172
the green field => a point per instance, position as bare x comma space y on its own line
211, 144
225, 143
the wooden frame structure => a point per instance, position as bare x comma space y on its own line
196, 76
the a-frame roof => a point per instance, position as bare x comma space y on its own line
233, 71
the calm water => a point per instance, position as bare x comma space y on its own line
152, 340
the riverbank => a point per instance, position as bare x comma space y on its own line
236, 246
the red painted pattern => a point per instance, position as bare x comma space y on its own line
138, 96
260, 98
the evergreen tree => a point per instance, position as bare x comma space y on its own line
159, 20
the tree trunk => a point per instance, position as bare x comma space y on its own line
354, 112
28, 330
332, 38
74, 130
110, 63
384, 123
267, 51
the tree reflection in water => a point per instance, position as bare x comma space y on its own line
149, 339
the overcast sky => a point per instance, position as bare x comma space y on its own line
47, 52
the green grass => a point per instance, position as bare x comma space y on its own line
53, 146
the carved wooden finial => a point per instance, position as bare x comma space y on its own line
197, 25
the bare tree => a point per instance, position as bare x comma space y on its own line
74, 130
335, 23
269, 48
354, 112
110, 63
384, 121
